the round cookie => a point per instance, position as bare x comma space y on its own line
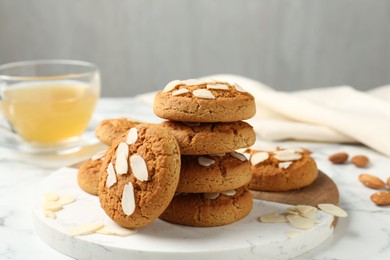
208, 210
211, 138
139, 175
110, 129
213, 173
88, 175
204, 101
281, 170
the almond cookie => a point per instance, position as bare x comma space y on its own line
211, 138
204, 101
88, 174
281, 170
110, 129
209, 209
139, 175
213, 173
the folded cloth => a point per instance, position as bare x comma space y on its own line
334, 114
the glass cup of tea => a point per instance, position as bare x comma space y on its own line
48, 104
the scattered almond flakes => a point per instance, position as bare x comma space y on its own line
51, 196
52, 205
119, 231
292, 234
273, 218
66, 199
300, 222
332, 209
85, 229
49, 214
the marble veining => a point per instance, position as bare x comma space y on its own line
365, 234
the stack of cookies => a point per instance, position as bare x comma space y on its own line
206, 120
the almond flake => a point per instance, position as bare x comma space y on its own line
52, 205
128, 201
273, 218
209, 81
205, 161
85, 229
284, 165
203, 93
132, 136
217, 86
238, 87
139, 168
259, 157
98, 156
292, 234
333, 210
211, 195
287, 155
122, 154
239, 156
229, 192
180, 92
111, 176
66, 199
192, 82
51, 196
300, 222
119, 231
171, 85
306, 209
49, 214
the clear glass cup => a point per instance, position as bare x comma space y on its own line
47, 104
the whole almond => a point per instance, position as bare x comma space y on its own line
388, 181
338, 158
381, 198
360, 161
371, 181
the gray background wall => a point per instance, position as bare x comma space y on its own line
141, 45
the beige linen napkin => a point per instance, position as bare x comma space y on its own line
335, 114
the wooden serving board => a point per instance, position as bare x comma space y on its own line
322, 190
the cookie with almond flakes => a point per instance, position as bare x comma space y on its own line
139, 175
211, 138
213, 173
204, 101
281, 170
110, 129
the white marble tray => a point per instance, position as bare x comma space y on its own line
246, 239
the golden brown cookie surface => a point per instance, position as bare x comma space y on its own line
213, 173
281, 170
209, 210
88, 175
211, 138
139, 175
203, 101
110, 129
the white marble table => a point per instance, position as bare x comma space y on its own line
365, 234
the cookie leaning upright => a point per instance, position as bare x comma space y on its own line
204, 101
139, 175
